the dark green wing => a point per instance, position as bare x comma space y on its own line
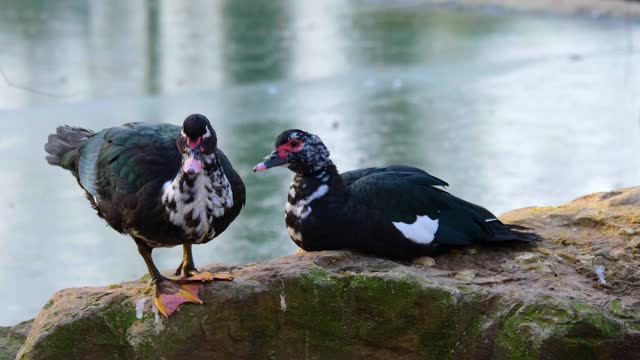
350, 177
121, 160
403, 196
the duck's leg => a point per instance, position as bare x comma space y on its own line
187, 270
169, 294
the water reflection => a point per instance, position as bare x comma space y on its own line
190, 41
508, 110
108, 52
255, 48
319, 39
388, 37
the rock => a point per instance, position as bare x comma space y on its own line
621, 310
542, 266
567, 242
598, 225
585, 258
620, 254
635, 243
466, 275
528, 258
21, 330
312, 306
567, 256
603, 253
600, 260
543, 251
425, 261
12, 338
531, 261
492, 304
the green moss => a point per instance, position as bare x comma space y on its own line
81, 335
625, 312
615, 306
81, 338
546, 313
398, 313
317, 275
535, 330
516, 336
593, 323
119, 318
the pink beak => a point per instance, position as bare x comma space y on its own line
191, 165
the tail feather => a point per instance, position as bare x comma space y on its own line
510, 232
63, 142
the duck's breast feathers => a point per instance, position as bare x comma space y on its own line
421, 212
125, 158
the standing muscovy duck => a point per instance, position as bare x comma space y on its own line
395, 212
161, 184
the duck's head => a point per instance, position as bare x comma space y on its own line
196, 140
300, 151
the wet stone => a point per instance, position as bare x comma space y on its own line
425, 261
466, 275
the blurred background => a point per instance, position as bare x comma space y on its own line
512, 110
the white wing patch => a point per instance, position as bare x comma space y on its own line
422, 231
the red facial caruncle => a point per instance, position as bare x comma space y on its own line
289, 147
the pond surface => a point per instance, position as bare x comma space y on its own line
511, 110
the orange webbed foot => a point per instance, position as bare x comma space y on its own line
170, 295
206, 276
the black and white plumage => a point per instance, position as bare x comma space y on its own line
162, 184
396, 211
198, 205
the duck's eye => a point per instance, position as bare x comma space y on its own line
294, 143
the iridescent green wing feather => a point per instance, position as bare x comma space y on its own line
121, 160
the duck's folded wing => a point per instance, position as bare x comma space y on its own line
422, 212
121, 160
350, 177
235, 180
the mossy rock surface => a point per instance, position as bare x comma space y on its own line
509, 302
12, 338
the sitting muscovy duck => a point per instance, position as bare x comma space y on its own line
395, 212
163, 185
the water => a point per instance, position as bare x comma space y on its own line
511, 110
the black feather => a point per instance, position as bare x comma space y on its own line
511, 232
66, 140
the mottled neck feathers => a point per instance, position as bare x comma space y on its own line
306, 189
